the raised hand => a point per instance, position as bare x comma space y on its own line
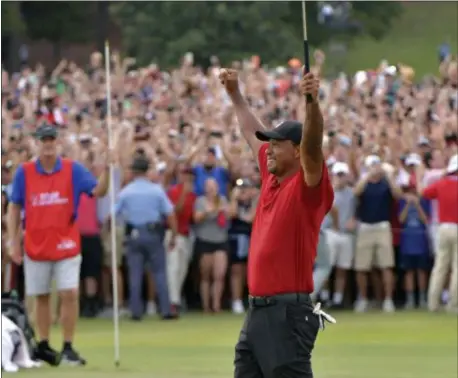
310, 85
230, 79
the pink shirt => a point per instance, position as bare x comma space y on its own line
87, 216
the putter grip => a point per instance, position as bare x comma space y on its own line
307, 66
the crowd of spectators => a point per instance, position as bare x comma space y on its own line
382, 125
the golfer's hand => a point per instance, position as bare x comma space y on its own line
15, 252
110, 158
310, 85
230, 79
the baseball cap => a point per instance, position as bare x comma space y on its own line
413, 159
340, 167
371, 160
423, 141
45, 131
287, 130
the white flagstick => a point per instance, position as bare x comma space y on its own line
114, 267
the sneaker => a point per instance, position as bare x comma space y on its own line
170, 317
151, 309
237, 307
388, 305
361, 305
46, 354
409, 305
72, 357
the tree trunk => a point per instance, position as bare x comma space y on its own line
56, 52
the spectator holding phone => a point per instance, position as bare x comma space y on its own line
211, 246
414, 212
376, 192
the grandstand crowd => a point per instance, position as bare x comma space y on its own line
390, 136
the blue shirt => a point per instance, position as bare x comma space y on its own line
83, 181
414, 235
220, 174
142, 201
375, 203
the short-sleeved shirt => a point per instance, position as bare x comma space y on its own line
375, 203
142, 202
414, 236
82, 179
444, 191
345, 202
202, 174
184, 217
285, 231
209, 229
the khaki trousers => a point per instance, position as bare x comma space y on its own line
446, 260
178, 260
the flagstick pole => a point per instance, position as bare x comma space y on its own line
114, 266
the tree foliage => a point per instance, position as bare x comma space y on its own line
11, 18
60, 21
163, 31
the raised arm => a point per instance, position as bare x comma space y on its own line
248, 122
312, 133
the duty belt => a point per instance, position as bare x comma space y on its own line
151, 227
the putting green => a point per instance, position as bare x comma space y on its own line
373, 345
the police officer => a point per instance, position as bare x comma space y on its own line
144, 205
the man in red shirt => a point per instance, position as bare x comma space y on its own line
178, 258
281, 326
445, 191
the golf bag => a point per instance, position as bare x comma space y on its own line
14, 310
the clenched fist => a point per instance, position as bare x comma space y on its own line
310, 85
230, 79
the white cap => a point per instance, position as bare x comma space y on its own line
371, 160
423, 141
340, 167
452, 166
330, 161
413, 159
390, 70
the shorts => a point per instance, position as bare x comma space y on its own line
341, 247
374, 247
202, 247
415, 262
38, 275
106, 241
239, 245
92, 254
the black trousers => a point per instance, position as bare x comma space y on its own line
277, 339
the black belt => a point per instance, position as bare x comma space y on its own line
151, 227
280, 298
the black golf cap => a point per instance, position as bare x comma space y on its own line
140, 164
45, 131
287, 130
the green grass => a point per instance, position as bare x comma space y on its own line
412, 40
373, 345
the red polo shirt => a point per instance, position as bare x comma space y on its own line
184, 217
445, 191
285, 232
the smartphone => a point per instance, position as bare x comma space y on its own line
216, 134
